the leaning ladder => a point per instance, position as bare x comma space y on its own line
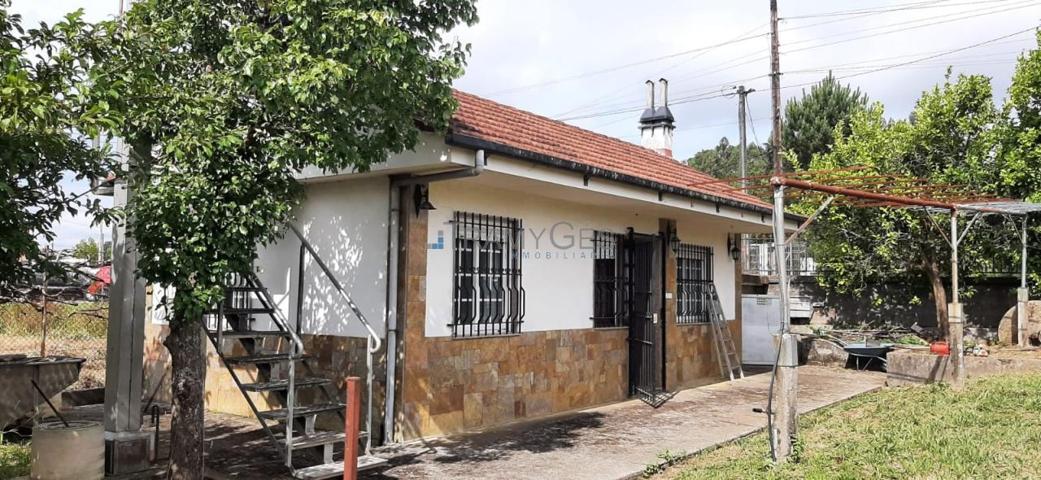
726, 350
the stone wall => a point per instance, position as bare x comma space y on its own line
917, 366
905, 303
334, 358
454, 385
458, 385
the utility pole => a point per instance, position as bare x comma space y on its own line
742, 98
784, 407
775, 88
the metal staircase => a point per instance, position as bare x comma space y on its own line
726, 351
278, 356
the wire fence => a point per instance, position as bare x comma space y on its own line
58, 328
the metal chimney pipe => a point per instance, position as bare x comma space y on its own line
664, 92
650, 94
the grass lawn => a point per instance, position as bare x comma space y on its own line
990, 430
14, 459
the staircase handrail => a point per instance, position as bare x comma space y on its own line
374, 343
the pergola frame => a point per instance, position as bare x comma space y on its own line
879, 197
850, 187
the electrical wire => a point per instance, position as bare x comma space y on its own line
930, 22
638, 108
888, 9
708, 95
735, 63
626, 65
921, 59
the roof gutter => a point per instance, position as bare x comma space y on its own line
474, 143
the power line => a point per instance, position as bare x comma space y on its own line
707, 95
925, 58
615, 94
730, 65
882, 10
700, 127
706, 92
637, 109
916, 54
967, 14
751, 122
869, 14
624, 66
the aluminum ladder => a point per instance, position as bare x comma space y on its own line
275, 355
726, 351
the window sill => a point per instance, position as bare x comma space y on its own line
617, 327
693, 324
479, 337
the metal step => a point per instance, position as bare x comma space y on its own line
248, 311
335, 469
318, 439
302, 411
252, 333
283, 384
264, 358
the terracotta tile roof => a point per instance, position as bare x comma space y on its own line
493, 122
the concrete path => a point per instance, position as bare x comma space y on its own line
617, 441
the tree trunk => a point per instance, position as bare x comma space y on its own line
932, 270
188, 355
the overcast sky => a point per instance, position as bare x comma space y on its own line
591, 57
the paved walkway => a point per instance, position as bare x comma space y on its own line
617, 441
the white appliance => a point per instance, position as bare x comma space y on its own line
760, 321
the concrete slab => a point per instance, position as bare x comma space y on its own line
611, 442
619, 440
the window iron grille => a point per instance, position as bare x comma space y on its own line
488, 297
607, 280
693, 283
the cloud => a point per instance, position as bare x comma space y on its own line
509, 53
516, 44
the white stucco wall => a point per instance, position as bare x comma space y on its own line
557, 267
346, 222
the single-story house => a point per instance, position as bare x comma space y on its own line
513, 268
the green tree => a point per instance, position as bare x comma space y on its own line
810, 122
87, 249
223, 102
723, 161
948, 139
40, 109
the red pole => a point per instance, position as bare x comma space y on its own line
351, 429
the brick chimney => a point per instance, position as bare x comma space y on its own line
656, 122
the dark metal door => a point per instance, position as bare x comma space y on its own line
642, 282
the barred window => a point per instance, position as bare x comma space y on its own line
607, 275
487, 295
693, 283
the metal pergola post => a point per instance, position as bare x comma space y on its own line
955, 322
1023, 293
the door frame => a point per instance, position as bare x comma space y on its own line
655, 308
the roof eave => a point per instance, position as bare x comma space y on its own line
466, 141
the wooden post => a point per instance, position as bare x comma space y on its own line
351, 429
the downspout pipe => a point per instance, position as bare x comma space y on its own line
393, 251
